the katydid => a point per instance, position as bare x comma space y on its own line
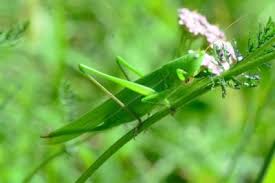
144, 95
136, 99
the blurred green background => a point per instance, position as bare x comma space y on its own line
210, 140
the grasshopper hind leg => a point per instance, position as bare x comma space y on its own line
113, 97
122, 63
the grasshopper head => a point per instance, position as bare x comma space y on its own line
197, 54
193, 62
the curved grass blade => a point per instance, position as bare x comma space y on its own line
45, 162
267, 175
251, 123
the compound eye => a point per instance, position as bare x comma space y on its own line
196, 55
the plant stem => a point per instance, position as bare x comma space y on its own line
266, 164
196, 89
251, 123
43, 164
52, 157
120, 143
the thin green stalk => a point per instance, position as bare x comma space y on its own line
266, 164
196, 89
61, 44
52, 157
251, 124
120, 143
43, 164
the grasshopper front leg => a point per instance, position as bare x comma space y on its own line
156, 98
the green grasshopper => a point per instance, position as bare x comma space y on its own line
140, 97
137, 99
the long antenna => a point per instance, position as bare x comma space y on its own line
236, 21
229, 26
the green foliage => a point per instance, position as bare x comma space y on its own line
198, 144
12, 35
68, 99
266, 174
264, 35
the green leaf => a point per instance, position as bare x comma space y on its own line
264, 35
12, 35
270, 175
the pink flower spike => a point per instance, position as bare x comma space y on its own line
198, 25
